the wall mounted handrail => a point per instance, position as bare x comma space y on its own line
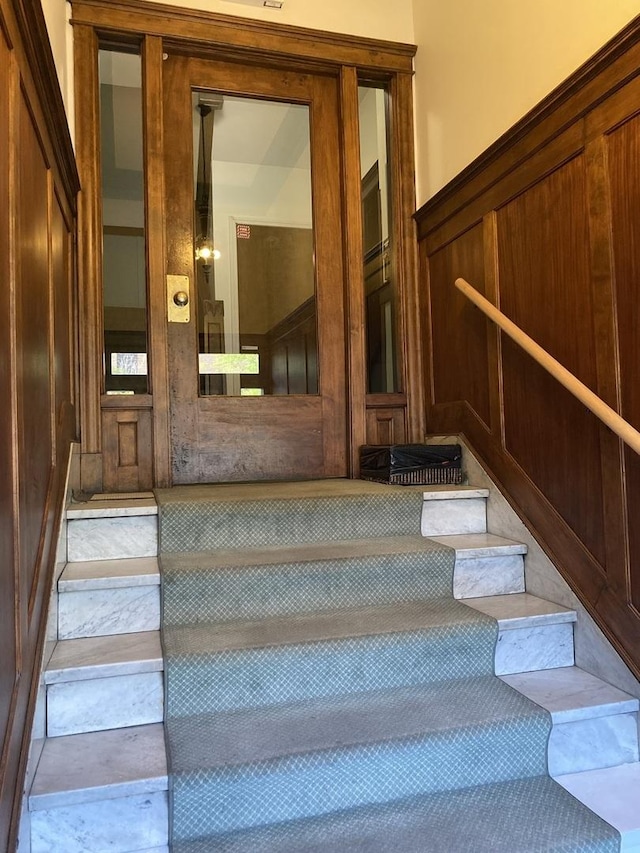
595, 404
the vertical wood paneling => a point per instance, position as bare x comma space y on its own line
37, 418
8, 649
560, 199
545, 288
624, 172
33, 311
460, 372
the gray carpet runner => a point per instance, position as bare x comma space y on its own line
325, 692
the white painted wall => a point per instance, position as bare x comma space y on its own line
57, 14
483, 64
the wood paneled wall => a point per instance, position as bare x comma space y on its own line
546, 224
38, 184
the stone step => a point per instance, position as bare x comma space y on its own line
101, 597
101, 791
102, 683
112, 529
613, 793
87, 784
595, 725
288, 659
449, 510
486, 564
534, 634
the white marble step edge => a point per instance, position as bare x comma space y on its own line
613, 793
114, 682
120, 762
131, 762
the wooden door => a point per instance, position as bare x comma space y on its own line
257, 385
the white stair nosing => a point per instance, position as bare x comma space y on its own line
521, 610
109, 574
554, 689
102, 657
100, 766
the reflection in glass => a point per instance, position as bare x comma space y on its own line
123, 239
380, 295
253, 245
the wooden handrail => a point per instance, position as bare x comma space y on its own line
600, 409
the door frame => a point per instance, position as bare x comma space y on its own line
143, 422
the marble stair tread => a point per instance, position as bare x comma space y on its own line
320, 626
471, 545
109, 574
112, 508
104, 657
104, 765
522, 610
613, 793
570, 693
328, 727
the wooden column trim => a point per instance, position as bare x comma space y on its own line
494, 341
406, 250
155, 244
89, 250
354, 271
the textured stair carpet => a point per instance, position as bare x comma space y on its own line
325, 692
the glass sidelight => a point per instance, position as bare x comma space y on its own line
123, 232
378, 245
254, 247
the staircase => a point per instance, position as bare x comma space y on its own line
101, 783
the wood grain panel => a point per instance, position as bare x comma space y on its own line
33, 329
543, 249
386, 426
127, 449
624, 171
460, 371
8, 648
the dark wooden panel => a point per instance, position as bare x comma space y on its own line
127, 449
386, 426
8, 649
458, 330
624, 170
543, 250
33, 310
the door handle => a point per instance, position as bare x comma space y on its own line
178, 307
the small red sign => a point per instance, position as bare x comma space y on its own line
243, 232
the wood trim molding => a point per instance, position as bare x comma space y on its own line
597, 79
261, 37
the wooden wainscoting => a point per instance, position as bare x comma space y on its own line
545, 225
38, 184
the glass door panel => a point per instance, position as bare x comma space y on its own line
254, 247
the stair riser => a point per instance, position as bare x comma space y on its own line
593, 743
479, 577
104, 612
529, 649
455, 515
317, 783
119, 825
112, 538
104, 703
